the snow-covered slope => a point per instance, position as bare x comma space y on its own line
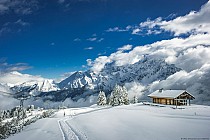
132, 122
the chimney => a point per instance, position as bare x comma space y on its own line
160, 90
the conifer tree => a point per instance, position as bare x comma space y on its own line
135, 99
125, 96
101, 98
119, 96
115, 94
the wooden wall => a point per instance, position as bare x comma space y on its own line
166, 101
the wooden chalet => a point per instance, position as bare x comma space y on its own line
171, 97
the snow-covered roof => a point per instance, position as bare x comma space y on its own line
168, 93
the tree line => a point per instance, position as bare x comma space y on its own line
119, 96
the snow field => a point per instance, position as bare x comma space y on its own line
134, 122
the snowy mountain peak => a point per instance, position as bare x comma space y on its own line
144, 71
16, 73
77, 80
39, 86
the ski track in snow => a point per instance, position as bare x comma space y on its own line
80, 134
68, 131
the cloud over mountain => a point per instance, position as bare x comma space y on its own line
5, 67
190, 52
18, 78
181, 51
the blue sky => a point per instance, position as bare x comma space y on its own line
52, 37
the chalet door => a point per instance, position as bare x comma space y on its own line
171, 102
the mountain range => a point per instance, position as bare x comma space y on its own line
140, 78
84, 83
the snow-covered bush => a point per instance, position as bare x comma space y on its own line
9, 128
47, 113
30, 108
32, 120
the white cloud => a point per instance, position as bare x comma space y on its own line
7, 102
195, 58
101, 39
21, 22
92, 39
88, 48
18, 78
134, 89
9, 73
125, 48
144, 28
89, 62
98, 63
197, 22
22, 7
117, 29
13, 26
5, 67
77, 39
102, 53
112, 29
150, 24
136, 31
192, 23
174, 51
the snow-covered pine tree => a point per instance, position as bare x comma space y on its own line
115, 96
135, 99
121, 96
125, 96
101, 98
